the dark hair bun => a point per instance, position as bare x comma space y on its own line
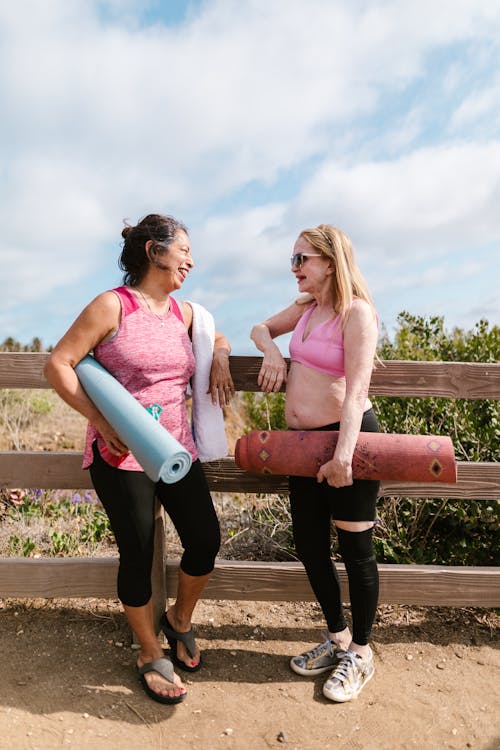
126, 231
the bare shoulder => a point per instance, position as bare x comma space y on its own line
362, 312
97, 321
106, 302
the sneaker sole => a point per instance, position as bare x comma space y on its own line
353, 697
309, 672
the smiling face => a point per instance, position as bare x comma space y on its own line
313, 276
174, 259
179, 257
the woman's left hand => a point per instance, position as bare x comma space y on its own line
221, 385
337, 473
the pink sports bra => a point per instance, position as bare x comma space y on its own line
323, 349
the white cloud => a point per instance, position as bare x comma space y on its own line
106, 118
434, 199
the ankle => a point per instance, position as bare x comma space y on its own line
179, 623
364, 651
150, 652
342, 639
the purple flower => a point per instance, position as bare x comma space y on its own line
76, 498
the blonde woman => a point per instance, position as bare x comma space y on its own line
332, 351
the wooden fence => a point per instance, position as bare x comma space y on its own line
260, 581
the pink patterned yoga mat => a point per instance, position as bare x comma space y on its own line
378, 455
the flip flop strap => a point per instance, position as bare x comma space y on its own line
163, 666
187, 639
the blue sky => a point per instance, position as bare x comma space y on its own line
250, 120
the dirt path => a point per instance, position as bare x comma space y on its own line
68, 682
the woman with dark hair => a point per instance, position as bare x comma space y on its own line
332, 351
141, 335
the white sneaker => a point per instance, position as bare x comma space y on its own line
349, 677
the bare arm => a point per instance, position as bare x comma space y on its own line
221, 382
272, 373
97, 321
360, 341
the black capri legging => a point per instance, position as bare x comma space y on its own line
128, 498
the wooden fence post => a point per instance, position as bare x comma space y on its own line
158, 572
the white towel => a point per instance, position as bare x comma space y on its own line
207, 418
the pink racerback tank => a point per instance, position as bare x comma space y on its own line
154, 361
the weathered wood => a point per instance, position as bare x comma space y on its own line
399, 584
61, 577
469, 380
404, 378
253, 581
158, 572
62, 470
391, 378
22, 370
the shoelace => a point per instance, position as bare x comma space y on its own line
317, 650
347, 663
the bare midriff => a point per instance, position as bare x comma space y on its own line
313, 399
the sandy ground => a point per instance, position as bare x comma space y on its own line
68, 681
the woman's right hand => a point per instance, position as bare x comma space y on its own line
110, 437
272, 373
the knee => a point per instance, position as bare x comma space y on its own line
199, 555
355, 526
134, 585
356, 547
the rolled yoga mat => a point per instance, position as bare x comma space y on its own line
160, 455
378, 455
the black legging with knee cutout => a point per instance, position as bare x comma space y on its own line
313, 506
129, 498
311, 530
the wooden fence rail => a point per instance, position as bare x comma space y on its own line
408, 584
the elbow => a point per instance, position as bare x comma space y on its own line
358, 396
257, 331
53, 369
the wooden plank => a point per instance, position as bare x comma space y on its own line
61, 577
391, 378
440, 379
22, 370
399, 584
425, 585
404, 378
62, 470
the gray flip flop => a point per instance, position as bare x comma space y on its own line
187, 639
165, 668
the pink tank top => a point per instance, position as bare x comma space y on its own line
154, 362
323, 349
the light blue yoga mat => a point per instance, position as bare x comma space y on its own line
160, 455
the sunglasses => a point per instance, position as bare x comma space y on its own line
298, 260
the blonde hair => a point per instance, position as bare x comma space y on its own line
347, 281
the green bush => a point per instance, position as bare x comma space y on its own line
420, 530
